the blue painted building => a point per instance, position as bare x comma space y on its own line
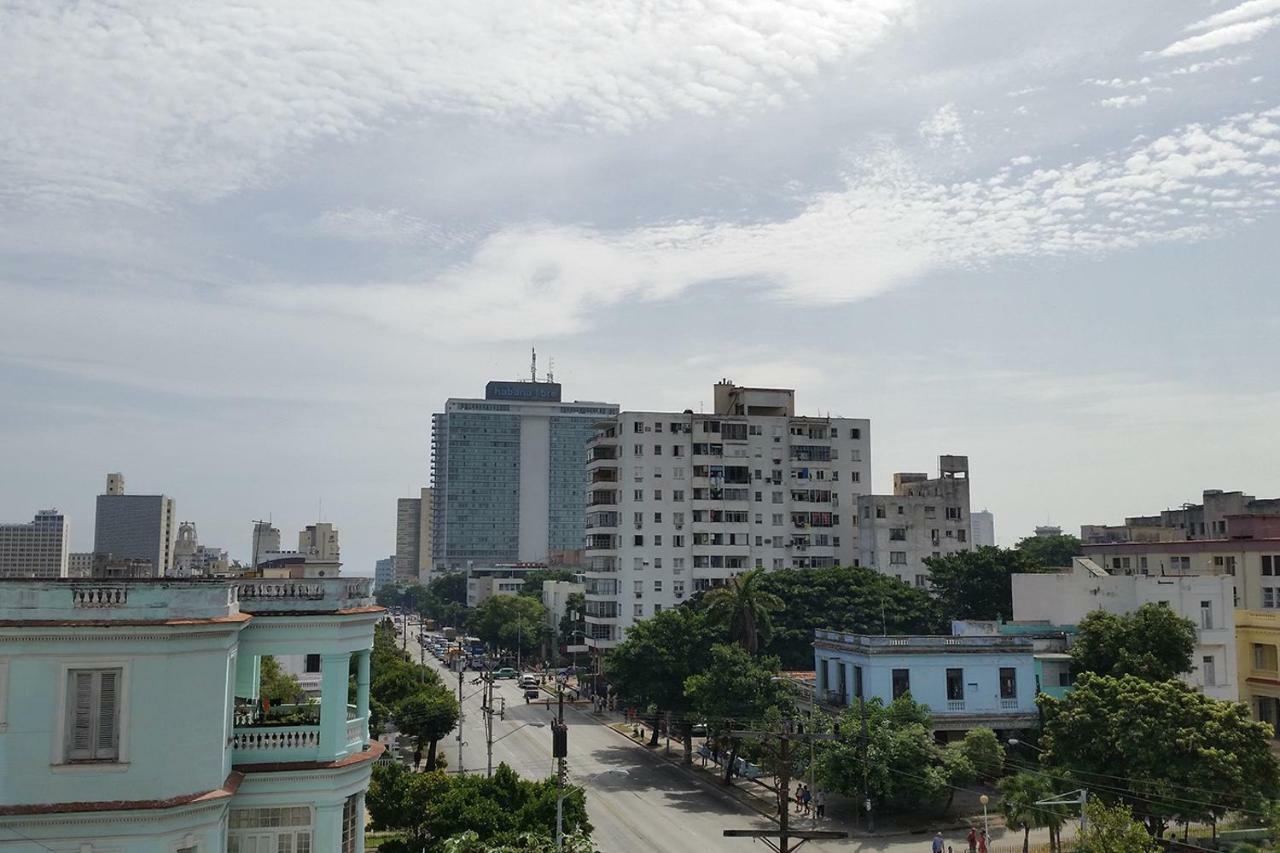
130, 717
966, 681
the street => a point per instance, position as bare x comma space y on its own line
636, 800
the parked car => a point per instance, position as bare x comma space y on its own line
531, 693
505, 672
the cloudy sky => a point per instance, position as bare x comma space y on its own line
247, 248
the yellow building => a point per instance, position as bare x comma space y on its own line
1258, 657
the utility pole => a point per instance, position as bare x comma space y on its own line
462, 716
779, 840
488, 723
864, 742
560, 751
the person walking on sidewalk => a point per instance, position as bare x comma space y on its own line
938, 844
982, 842
820, 802
973, 840
808, 797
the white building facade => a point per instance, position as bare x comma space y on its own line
679, 502
1064, 598
413, 538
924, 517
36, 549
982, 528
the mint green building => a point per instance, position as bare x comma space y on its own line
130, 718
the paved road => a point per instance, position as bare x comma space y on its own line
637, 802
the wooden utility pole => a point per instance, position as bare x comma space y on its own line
461, 713
780, 839
487, 710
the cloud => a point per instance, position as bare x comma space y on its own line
1227, 36
143, 104
390, 226
1243, 12
1210, 65
1123, 101
943, 127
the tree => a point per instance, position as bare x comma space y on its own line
744, 608
1019, 795
277, 686
1051, 551
507, 621
735, 689
983, 749
1112, 829
432, 808
977, 584
575, 605
428, 715
1153, 643
530, 842
855, 599
650, 667
1144, 743
900, 764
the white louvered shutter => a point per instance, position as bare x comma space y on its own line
107, 729
80, 719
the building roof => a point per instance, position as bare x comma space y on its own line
922, 644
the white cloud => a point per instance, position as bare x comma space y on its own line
1210, 65
1123, 101
134, 105
1244, 12
390, 226
943, 127
1227, 36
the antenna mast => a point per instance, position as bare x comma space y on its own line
533, 364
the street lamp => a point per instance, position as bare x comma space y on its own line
986, 825
535, 724
1013, 741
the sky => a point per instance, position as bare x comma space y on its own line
246, 249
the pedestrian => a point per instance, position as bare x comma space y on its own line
982, 842
973, 840
417, 758
808, 798
938, 843
820, 802
800, 800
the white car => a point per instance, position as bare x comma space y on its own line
528, 679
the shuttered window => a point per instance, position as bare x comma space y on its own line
93, 715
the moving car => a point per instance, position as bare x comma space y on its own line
529, 680
505, 672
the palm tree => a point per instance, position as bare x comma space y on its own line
744, 607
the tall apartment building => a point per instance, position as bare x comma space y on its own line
383, 572
982, 528
679, 502
507, 476
318, 554
134, 527
924, 517
35, 549
1191, 521
413, 538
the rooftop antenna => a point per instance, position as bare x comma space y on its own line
551, 368
533, 364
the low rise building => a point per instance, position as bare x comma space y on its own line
1258, 654
1066, 597
191, 559
966, 681
924, 517
555, 597
131, 720
1210, 519
80, 564
484, 582
35, 549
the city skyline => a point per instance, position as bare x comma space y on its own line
1042, 237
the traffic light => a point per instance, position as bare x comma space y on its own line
559, 740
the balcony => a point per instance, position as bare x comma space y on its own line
602, 519
603, 497
266, 739
604, 475
954, 705
265, 596
602, 452
602, 542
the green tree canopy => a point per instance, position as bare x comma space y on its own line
1145, 743
733, 689
571, 629
428, 715
432, 808
651, 666
1051, 551
1112, 829
505, 621
277, 686
856, 599
744, 607
904, 768
1019, 795
984, 751
977, 584
1153, 643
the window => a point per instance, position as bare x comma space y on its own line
657, 450
270, 830
1267, 564
657, 562
1008, 682
678, 474
677, 541
1206, 615
677, 450
777, 563
638, 473
677, 563
855, 476
638, 611
897, 534
351, 823
638, 495
777, 519
901, 682
678, 497
657, 540
93, 715
638, 540
657, 586
313, 663
657, 473
1269, 597
638, 519
777, 497
901, 509
1264, 657
857, 682
657, 427
639, 588
955, 685
897, 558
855, 433
1208, 672
962, 535
638, 426
657, 516
879, 512
657, 608
922, 581
953, 513
1180, 564
637, 450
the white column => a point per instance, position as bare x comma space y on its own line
327, 832
333, 707
362, 689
